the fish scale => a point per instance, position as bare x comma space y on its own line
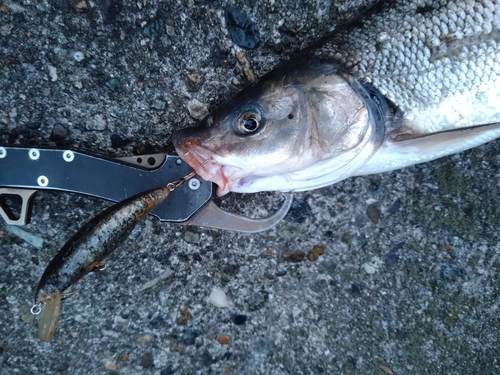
406, 58
405, 82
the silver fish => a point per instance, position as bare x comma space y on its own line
410, 82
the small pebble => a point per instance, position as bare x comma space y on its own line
118, 320
372, 266
346, 238
157, 322
52, 73
110, 333
154, 29
318, 285
207, 359
242, 30
169, 370
25, 314
392, 256
111, 366
170, 31
80, 319
240, 55
189, 336
97, 122
197, 110
231, 269
395, 207
290, 232
373, 212
159, 104
147, 360
191, 237
61, 38
294, 256
59, 132
81, 6
114, 84
142, 339
78, 84
356, 288
214, 350
239, 319
194, 82
451, 272
257, 300
310, 313
78, 56
111, 11
385, 369
6, 29
184, 315
262, 346
219, 298
299, 212
223, 339
316, 252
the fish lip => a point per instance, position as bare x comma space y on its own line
206, 165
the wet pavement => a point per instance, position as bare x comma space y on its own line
387, 274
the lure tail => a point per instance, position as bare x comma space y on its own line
49, 317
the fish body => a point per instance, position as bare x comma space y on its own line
405, 83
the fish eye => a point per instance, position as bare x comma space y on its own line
249, 121
251, 124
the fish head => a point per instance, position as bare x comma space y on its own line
294, 117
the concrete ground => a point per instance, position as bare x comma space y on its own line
409, 279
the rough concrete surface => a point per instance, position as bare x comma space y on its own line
408, 282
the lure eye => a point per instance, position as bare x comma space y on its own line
249, 121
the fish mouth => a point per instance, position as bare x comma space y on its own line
206, 164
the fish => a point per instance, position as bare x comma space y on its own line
404, 83
86, 250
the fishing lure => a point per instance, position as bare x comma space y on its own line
85, 251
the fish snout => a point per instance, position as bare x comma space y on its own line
189, 147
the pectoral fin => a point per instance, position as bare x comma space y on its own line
403, 150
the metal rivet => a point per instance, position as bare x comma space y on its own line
194, 184
34, 154
178, 162
68, 155
42, 181
3, 152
